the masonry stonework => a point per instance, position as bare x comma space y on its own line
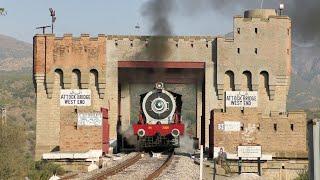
256, 56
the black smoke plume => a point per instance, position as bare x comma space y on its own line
158, 13
305, 15
305, 20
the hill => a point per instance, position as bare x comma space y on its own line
15, 55
305, 83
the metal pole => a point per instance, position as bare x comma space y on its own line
214, 168
316, 148
259, 166
201, 161
239, 165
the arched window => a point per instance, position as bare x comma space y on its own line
229, 80
94, 77
248, 80
76, 78
265, 80
59, 76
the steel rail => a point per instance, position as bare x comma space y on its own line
117, 168
158, 171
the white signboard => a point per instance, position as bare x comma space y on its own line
90, 119
249, 151
241, 99
232, 125
75, 97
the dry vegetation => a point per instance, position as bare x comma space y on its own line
17, 137
18, 97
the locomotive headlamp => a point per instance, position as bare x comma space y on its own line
141, 132
175, 132
159, 85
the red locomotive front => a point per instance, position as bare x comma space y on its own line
159, 122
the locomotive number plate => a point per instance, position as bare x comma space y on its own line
165, 127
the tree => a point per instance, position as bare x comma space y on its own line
12, 151
3, 12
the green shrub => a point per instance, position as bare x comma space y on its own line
44, 170
12, 152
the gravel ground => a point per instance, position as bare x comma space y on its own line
182, 167
141, 169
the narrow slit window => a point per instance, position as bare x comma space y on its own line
288, 31
242, 127
258, 127
238, 30
288, 51
256, 50
238, 50
256, 30
275, 127
291, 127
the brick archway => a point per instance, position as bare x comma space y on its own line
149, 72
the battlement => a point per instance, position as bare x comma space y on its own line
262, 14
169, 38
67, 57
69, 36
86, 36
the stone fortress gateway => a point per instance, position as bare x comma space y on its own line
241, 80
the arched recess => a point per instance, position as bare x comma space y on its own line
229, 80
264, 77
59, 77
247, 80
94, 75
76, 78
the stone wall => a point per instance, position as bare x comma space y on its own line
79, 139
282, 135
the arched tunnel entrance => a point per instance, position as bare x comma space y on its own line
184, 78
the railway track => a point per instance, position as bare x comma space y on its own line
137, 167
157, 172
116, 169
144, 168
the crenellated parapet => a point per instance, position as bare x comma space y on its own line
68, 54
172, 41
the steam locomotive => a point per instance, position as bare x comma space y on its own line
159, 122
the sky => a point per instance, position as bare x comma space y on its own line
101, 16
